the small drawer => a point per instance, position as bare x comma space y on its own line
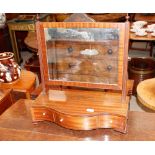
64, 49
112, 121
41, 113
92, 71
86, 50
86, 66
61, 119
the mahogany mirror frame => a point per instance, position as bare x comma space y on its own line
122, 56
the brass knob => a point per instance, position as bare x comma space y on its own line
71, 65
110, 51
61, 120
109, 67
70, 49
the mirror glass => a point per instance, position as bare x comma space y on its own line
83, 54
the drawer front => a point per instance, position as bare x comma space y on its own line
42, 113
87, 66
87, 50
88, 123
76, 122
87, 70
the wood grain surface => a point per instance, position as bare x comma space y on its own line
146, 93
149, 17
82, 110
99, 17
6, 99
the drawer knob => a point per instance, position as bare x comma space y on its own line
61, 120
70, 49
109, 67
71, 65
110, 51
44, 113
90, 110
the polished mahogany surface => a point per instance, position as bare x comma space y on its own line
82, 110
16, 124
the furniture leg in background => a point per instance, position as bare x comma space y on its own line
5, 99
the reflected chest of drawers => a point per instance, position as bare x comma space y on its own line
87, 62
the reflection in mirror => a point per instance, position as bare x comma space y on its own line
83, 54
